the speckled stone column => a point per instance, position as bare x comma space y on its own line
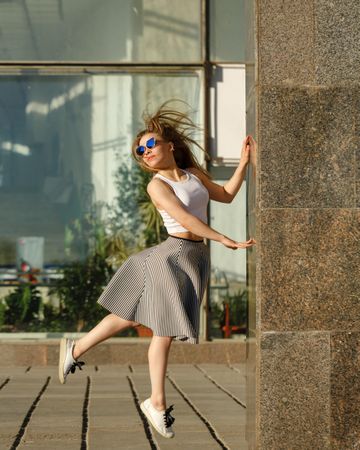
303, 350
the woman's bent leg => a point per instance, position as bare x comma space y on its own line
110, 325
158, 357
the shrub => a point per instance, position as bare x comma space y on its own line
78, 291
20, 309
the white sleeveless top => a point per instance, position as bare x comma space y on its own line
194, 196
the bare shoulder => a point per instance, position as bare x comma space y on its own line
198, 173
155, 185
152, 183
158, 189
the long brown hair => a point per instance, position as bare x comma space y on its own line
176, 127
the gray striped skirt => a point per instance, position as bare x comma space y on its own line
162, 288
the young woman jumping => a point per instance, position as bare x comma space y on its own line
162, 287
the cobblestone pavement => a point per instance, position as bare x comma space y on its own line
99, 408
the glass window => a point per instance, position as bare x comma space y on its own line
65, 151
227, 30
228, 267
228, 112
94, 30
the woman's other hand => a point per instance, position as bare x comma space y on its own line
235, 245
249, 145
245, 151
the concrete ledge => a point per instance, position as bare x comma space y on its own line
122, 351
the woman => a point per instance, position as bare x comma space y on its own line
162, 287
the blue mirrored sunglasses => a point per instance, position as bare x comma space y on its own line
150, 143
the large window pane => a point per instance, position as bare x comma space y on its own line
97, 30
227, 30
65, 150
228, 267
228, 111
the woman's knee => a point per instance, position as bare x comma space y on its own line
121, 321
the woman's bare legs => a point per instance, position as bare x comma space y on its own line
110, 325
158, 357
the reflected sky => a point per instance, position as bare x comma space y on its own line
93, 30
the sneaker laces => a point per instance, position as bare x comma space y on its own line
168, 418
75, 365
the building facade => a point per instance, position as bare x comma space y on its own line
75, 78
303, 106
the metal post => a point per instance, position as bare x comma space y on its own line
205, 6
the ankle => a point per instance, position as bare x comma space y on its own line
75, 351
160, 405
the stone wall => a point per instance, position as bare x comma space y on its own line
304, 341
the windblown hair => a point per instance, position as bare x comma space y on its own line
176, 127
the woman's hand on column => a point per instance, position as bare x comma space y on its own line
245, 151
249, 145
235, 245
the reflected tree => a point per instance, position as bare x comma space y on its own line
133, 212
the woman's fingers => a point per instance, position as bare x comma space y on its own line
245, 151
252, 143
235, 245
246, 244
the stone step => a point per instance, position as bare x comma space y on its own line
122, 351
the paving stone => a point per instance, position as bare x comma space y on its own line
223, 413
58, 415
52, 444
233, 382
187, 426
16, 398
114, 420
5, 372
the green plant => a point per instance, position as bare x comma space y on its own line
52, 319
84, 236
124, 214
215, 317
133, 212
79, 289
116, 251
237, 308
237, 311
154, 231
21, 308
2, 313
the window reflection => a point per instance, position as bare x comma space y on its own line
61, 147
228, 268
227, 30
65, 140
111, 31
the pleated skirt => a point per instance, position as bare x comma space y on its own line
162, 287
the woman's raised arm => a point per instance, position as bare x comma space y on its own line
226, 193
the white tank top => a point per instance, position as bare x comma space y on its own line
194, 196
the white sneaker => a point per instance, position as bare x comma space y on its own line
160, 420
67, 362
